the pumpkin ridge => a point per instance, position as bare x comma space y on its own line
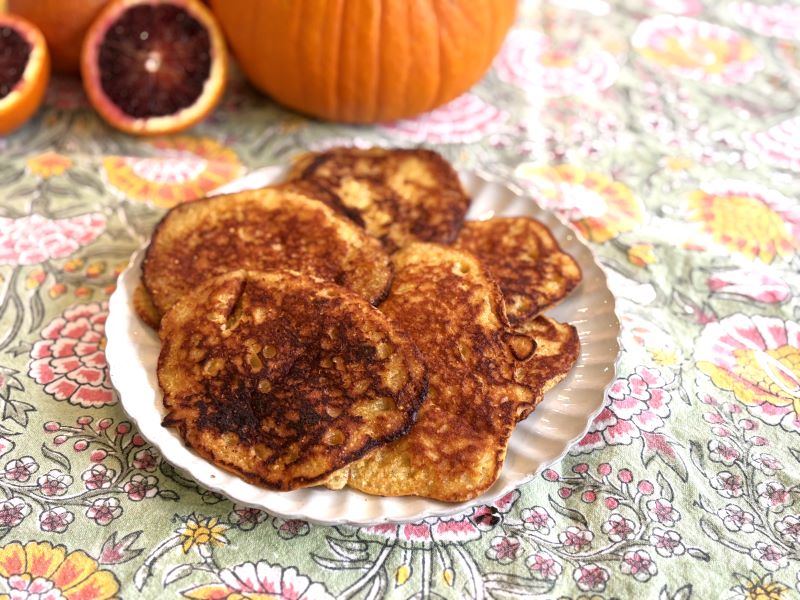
439, 61
336, 66
376, 86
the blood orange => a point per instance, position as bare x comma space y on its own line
63, 23
24, 71
154, 66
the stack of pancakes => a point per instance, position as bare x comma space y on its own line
348, 328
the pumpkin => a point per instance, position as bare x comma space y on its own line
362, 61
63, 23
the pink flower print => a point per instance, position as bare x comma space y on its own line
618, 528
56, 519
70, 359
141, 487
12, 511
662, 511
504, 549
34, 239
98, 477
720, 451
146, 460
246, 517
54, 483
789, 527
766, 463
575, 539
736, 519
639, 565
36, 588
528, 61
290, 528
21, 469
544, 566
666, 542
686, 8
773, 496
779, 144
590, 578
538, 519
465, 120
757, 283
104, 510
778, 20
727, 484
261, 580
635, 404
769, 555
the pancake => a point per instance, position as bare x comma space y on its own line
401, 195
280, 227
143, 306
557, 350
283, 378
521, 253
453, 311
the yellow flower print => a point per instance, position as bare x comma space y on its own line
697, 50
202, 532
182, 168
762, 588
598, 206
49, 164
747, 218
39, 567
641, 255
758, 359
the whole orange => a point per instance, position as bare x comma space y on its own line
363, 61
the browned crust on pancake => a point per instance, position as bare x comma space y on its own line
283, 378
271, 228
453, 311
557, 349
401, 195
143, 306
522, 254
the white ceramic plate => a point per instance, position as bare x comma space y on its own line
561, 419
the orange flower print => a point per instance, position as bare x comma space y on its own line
599, 207
758, 359
183, 168
747, 218
697, 50
49, 164
41, 570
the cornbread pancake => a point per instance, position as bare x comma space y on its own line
557, 350
283, 378
144, 307
279, 227
453, 311
401, 195
522, 254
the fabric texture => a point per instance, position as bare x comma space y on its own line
665, 131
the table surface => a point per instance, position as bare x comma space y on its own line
665, 131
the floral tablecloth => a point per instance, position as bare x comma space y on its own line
666, 131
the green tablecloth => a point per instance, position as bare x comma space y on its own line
665, 131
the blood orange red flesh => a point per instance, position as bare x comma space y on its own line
154, 66
24, 71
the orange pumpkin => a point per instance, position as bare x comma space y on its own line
363, 61
63, 23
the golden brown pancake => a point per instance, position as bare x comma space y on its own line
557, 350
144, 307
522, 254
273, 228
401, 195
453, 311
283, 378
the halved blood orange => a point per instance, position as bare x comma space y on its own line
154, 66
24, 71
